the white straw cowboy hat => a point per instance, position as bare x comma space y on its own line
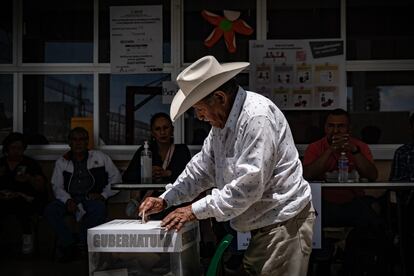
200, 79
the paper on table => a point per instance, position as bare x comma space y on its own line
120, 224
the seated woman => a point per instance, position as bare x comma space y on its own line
168, 159
23, 190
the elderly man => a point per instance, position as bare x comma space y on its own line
250, 161
81, 183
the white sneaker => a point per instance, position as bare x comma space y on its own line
27, 244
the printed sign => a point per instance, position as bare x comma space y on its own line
136, 39
299, 74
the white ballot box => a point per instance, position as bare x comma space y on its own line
128, 247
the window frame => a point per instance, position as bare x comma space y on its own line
124, 152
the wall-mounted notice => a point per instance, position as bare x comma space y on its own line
136, 39
299, 74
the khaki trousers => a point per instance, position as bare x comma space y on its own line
282, 249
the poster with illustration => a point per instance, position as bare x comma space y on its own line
302, 97
301, 74
263, 73
304, 74
327, 96
283, 74
281, 97
326, 73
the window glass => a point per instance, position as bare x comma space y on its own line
6, 31
377, 100
104, 28
51, 102
197, 29
195, 130
58, 31
126, 104
6, 105
379, 29
303, 19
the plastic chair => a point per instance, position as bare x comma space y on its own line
224, 243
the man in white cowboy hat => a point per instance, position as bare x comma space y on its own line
250, 162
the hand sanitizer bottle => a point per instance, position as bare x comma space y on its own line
146, 165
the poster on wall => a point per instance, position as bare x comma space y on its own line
136, 39
169, 89
299, 74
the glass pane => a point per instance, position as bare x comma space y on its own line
6, 105
303, 19
58, 31
380, 29
50, 102
104, 28
195, 130
197, 29
6, 31
306, 125
377, 100
372, 127
126, 104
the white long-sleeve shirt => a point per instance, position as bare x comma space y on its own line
252, 165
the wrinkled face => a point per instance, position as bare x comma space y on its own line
336, 124
162, 130
78, 143
213, 110
15, 150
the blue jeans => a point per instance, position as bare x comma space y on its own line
56, 211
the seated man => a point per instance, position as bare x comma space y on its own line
81, 183
322, 157
343, 206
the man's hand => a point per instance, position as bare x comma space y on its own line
177, 218
71, 206
151, 205
341, 143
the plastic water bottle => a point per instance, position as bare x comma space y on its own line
343, 165
146, 165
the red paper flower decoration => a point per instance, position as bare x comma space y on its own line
227, 26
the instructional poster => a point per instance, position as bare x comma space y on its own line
299, 74
136, 39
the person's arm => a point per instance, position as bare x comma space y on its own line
314, 166
57, 182
252, 169
197, 177
113, 176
